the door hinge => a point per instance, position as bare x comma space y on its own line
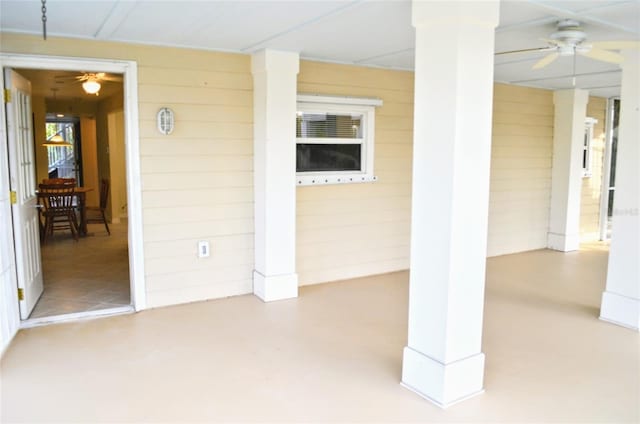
20, 294
7, 95
13, 197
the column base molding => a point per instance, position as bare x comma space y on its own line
620, 310
275, 287
442, 384
563, 242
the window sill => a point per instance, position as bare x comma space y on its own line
320, 179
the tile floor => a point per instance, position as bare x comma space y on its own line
94, 275
334, 354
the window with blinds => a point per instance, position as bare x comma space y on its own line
334, 143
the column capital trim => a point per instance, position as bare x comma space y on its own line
269, 60
570, 96
425, 13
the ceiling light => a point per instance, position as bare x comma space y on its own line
56, 141
91, 86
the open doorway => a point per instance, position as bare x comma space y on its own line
63, 161
23, 236
79, 137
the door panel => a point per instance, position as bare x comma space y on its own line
22, 175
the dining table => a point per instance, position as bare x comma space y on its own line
80, 194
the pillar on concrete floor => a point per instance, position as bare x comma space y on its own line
566, 175
443, 361
621, 299
274, 104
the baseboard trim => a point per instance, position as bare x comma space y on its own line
275, 287
620, 310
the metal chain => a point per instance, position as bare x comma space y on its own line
44, 19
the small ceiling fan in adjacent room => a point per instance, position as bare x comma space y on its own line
92, 81
570, 40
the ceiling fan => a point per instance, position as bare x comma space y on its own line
570, 40
92, 81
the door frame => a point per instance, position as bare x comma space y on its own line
132, 153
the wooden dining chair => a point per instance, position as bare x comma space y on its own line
58, 211
60, 181
95, 215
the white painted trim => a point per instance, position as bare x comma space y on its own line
275, 287
10, 312
336, 104
589, 123
620, 310
339, 100
442, 384
76, 316
132, 147
323, 178
563, 242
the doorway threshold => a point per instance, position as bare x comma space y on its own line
77, 316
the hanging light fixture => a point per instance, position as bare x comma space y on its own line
57, 141
91, 86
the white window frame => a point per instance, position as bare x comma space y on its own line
341, 105
587, 147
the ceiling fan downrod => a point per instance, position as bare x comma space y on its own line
44, 19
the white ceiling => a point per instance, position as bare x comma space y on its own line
364, 32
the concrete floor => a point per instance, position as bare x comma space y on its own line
334, 354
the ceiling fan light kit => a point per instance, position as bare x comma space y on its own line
91, 86
91, 82
56, 141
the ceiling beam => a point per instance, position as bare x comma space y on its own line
114, 19
380, 56
256, 46
586, 74
582, 15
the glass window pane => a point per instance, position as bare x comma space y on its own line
328, 157
328, 125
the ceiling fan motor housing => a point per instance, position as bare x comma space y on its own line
569, 36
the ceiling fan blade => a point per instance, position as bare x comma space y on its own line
603, 55
552, 41
111, 78
617, 45
536, 49
545, 61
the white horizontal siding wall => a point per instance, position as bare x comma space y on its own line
352, 230
197, 182
521, 153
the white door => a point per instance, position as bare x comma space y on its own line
22, 175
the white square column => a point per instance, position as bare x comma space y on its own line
566, 175
443, 361
274, 119
621, 299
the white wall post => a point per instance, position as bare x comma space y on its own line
443, 361
566, 175
274, 111
621, 299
